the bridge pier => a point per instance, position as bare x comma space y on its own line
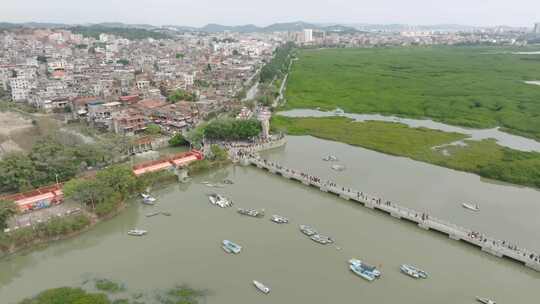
369, 205
396, 215
345, 197
454, 236
423, 226
244, 162
492, 251
534, 266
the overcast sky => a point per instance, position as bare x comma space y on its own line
234, 12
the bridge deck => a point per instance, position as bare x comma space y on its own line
424, 221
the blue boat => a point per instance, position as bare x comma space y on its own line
231, 247
363, 270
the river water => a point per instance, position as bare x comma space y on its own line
185, 248
503, 139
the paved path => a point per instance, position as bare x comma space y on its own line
485, 243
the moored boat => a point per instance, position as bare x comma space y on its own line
330, 158
471, 207
278, 219
308, 230
338, 167
251, 212
231, 247
413, 271
148, 199
152, 214
365, 268
218, 200
322, 239
485, 300
260, 286
137, 232
228, 182
166, 213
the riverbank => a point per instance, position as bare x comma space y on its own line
484, 158
57, 229
65, 227
289, 257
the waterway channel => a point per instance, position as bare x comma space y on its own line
185, 248
503, 139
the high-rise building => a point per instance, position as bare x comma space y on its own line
537, 28
308, 35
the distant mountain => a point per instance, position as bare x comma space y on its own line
276, 27
123, 25
250, 28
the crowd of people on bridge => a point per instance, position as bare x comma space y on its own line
360, 195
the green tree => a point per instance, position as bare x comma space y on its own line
17, 173
87, 191
66, 295
180, 95
178, 140
7, 210
119, 178
153, 129
122, 61
196, 136
232, 129
179, 55
218, 153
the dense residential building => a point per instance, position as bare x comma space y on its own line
122, 85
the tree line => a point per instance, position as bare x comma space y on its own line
279, 65
232, 129
58, 157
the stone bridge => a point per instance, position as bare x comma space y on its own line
487, 244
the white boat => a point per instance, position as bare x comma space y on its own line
360, 267
330, 158
338, 167
231, 247
260, 286
413, 271
148, 199
278, 219
485, 300
137, 232
218, 200
471, 207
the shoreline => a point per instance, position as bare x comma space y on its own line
45, 241
493, 168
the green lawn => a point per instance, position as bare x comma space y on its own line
485, 158
469, 86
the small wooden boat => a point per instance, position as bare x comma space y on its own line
137, 232
231, 247
485, 300
260, 286
166, 213
152, 214
471, 207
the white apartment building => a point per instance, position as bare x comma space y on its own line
308, 35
